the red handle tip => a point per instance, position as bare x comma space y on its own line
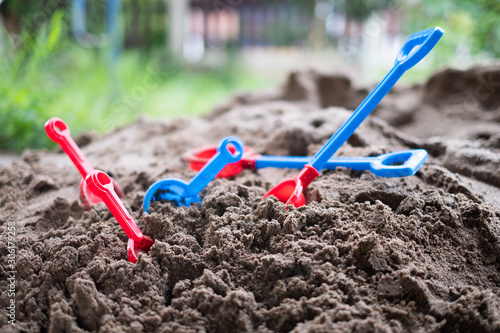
56, 129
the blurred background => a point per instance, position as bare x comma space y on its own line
100, 64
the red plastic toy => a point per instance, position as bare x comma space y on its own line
102, 186
58, 131
198, 158
416, 47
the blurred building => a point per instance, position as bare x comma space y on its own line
282, 35
268, 35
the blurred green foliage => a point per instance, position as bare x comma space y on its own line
360, 10
44, 73
49, 75
473, 24
286, 34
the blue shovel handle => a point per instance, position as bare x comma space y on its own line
223, 157
397, 164
416, 47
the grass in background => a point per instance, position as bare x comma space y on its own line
55, 77
48, 74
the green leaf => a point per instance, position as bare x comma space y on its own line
56, 23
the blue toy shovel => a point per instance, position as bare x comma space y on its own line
229, 150
396, 164
416, 47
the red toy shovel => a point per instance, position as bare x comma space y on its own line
102, 186
58, 131
416, 47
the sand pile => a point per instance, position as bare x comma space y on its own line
367, 253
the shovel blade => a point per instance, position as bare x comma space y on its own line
170, 189
88, 198
117, 188
291, 191
198, 158
133, 248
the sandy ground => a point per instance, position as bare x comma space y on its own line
365, 254
7, 158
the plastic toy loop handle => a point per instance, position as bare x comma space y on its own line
57, 130
231, 157
101, 185
399, 164
223, 157
417, 46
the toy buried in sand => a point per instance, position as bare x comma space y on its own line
58, 131
416, 47
229, 150
102, 186
397, 164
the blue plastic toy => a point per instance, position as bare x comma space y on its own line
396, 164
416, 47
229, 150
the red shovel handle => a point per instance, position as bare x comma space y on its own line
58, 131
101, 185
